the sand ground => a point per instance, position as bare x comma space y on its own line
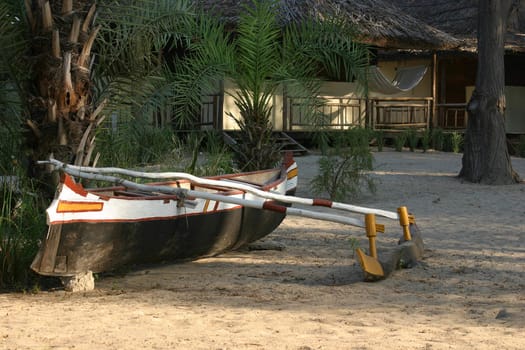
467, 293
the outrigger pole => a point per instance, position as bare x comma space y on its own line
74, 170
371, 265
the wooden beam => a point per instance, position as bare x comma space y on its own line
434, 90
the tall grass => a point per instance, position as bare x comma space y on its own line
139, 144
22, 225
209, 154
22, 216
136, 144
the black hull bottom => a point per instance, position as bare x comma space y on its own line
73, 248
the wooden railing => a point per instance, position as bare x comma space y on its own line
211, 112
394, 113
452, 115
400, 113
379, 113
336, 113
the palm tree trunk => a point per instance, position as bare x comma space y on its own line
62, 115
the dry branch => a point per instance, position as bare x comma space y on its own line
55, 44
51, 111
61, 133
99, 109
34, 129
29, 13
89, 17
75, 30
47, 17
86, 50
67, 7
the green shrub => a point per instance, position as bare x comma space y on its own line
521, 146
343, 167
380, 138
456, 139
452, 142
425, 140
400, 141
218, 159
438, 139
412, 139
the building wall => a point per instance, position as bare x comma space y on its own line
343, 104
515, 112
229, 107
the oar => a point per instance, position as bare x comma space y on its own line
227, 184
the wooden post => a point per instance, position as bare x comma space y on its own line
434, 90
285, 109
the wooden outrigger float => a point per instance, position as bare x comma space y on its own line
188, 217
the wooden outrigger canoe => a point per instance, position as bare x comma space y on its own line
102, 229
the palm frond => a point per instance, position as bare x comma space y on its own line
13, 68
209, 58
130, 69
258, 51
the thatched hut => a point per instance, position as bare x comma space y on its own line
377, 22
460, 19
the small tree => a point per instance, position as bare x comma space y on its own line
343, 167
261, 58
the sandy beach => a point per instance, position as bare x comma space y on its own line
307, 293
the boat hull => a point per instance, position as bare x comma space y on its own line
73, 248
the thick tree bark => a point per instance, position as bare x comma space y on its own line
62, 115
486, 158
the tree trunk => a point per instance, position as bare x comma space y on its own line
486, 158
62, 115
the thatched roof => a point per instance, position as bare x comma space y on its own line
376, 21
460, 19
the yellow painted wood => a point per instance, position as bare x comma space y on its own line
404, 221
371, 233
369, 264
